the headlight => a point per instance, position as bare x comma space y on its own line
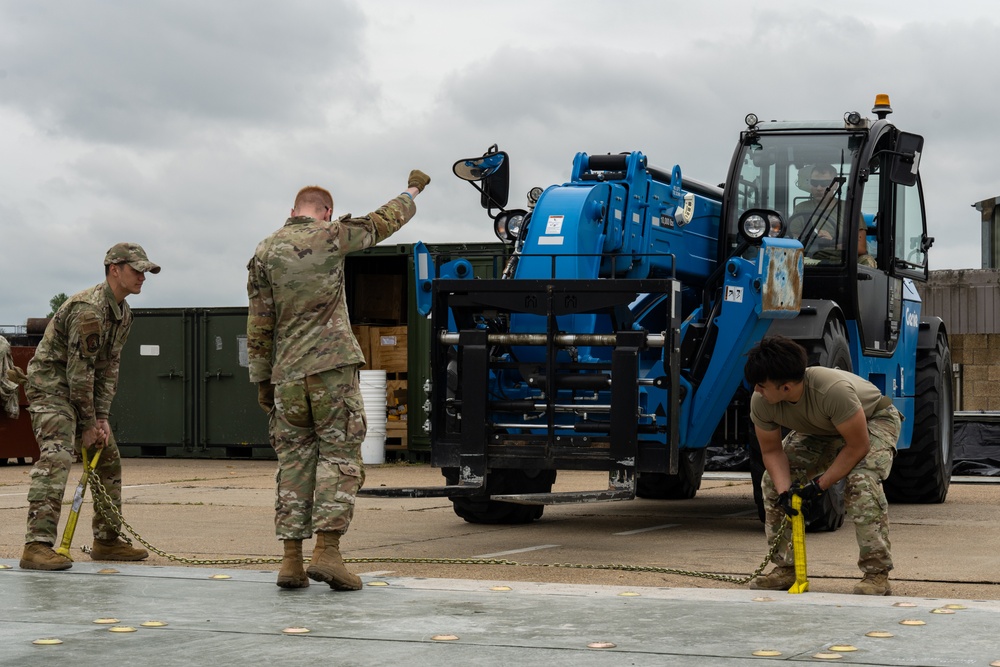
508, 225
534, 194
514, 225
755, 224
776, 225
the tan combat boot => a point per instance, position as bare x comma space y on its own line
116, 549
328, 566
292, 574
41, 556
780, 578
873, 583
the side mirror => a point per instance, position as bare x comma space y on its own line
906, 159
493, 170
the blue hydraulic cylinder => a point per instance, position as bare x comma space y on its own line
755, 291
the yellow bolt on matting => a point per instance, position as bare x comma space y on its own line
766, 653
501, 588
122, 628
801, 584
5, 567
912, 621
47, 641
296, 631
942, 610
602, 645
629, 594
106, 621
444, 638
154, 624
220, 576
378, 583
843, 648
879, 634
905, 604
955, 606
828, 656
108, 570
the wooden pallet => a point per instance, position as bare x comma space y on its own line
395, 435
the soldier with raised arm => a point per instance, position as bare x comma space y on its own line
305, 361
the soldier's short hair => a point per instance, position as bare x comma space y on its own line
314, 195
778, 359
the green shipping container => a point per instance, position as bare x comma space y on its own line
183, 389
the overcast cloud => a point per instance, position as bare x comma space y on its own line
188, 126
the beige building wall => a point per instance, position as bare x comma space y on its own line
968, 301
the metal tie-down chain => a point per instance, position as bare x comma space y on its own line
103, 504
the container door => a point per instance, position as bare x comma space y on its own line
232, 424
152, 413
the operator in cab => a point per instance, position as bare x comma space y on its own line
820, 216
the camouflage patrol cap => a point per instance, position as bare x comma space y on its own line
131, 254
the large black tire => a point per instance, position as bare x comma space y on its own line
480, 509
682, 486
828, 513
922, 473
832, 350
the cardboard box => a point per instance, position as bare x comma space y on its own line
395, 393
388, 349
378, 297
395, 400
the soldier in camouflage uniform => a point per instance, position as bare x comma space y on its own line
72, 380
305, 361
11, 379
842, 427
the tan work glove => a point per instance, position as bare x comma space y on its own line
265, 395
16, 375
418, 180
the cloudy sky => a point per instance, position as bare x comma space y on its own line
187, 126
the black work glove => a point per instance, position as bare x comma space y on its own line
808, 491
265, 395
418, 180
785, 503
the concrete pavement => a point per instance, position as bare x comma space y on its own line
531, 613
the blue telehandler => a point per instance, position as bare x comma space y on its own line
614, 339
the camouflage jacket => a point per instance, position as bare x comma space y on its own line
76, 364
298, 323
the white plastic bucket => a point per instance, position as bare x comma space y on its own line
373, 397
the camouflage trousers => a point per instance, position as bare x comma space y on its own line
864, 500
316, 428
58, 436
